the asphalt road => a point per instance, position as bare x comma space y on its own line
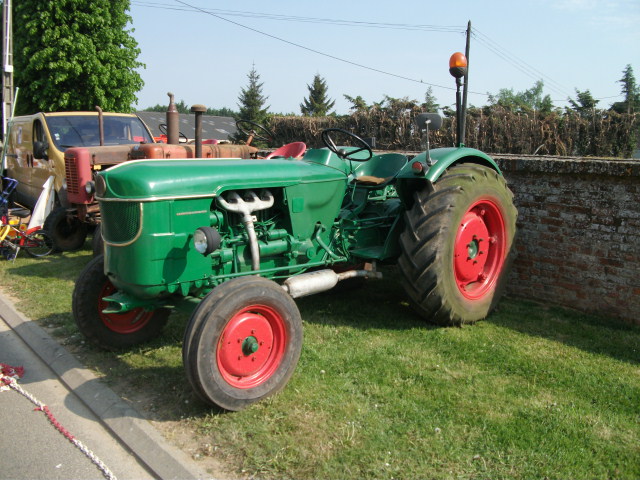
32, 448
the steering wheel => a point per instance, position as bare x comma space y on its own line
247, 127
330, 144
163, 130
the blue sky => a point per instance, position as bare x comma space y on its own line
203, 54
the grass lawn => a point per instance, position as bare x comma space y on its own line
532, 392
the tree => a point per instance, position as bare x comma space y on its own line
251, 101
74, 55
631, 92
523, 102
358, 104
584, 104
430, 102
317, 104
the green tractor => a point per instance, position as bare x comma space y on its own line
237, 240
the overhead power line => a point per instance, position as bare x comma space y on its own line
220, 17
298, 19
483, 39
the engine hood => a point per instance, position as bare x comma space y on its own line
149, 180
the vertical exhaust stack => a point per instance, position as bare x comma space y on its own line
173, 122
198, 110
100, 125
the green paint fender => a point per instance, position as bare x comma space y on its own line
444, 158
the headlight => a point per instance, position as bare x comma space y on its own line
206, 240
90, 188
101, 186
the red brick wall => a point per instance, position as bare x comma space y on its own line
579, 232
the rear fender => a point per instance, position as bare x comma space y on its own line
440, 160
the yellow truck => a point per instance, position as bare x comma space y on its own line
35, 151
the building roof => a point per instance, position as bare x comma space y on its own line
219, 128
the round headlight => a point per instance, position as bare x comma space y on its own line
90, 188
101, 186
206, 240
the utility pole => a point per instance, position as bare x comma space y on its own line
466, 85
7, 67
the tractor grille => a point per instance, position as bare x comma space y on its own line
120, 221
71, 171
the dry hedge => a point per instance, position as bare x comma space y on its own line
605, 134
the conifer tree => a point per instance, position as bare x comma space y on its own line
317, 104
251, 100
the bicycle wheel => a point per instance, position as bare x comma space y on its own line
38, 244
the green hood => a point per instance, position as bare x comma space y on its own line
157, 179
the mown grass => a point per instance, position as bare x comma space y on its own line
532, 392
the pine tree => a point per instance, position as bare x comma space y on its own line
317, 104
251, 101
430, 102
584, 103
631, 92
74, 55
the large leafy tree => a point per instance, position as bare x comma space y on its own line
631, 92
317, 104
252, 101
74, 55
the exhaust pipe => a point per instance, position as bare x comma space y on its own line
173, 122
100, 125
322, 280
198, 110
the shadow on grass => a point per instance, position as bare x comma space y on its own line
591, 333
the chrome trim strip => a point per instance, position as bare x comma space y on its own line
137, 235
155, 199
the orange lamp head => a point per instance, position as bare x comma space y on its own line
458, 65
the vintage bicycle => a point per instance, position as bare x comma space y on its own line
14, 233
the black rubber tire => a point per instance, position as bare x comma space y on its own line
97, 243
94, 325
67, 232
427, 244
39, 244
217, 314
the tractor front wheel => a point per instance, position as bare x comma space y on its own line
242, 343
458, 245
67, 231
110, 330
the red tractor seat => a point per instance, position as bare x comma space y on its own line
290, 150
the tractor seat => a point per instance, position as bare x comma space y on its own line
379, 170
290, 150
19, 212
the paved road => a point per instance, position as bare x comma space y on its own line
31, 448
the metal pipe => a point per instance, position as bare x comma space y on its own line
235, 203
100, 125
173, 122
198, 110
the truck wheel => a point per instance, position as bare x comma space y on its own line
97, 244
67, 232
110, 330
242, 343
457, 246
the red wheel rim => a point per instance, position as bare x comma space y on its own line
479, 249
251, 346
123, 323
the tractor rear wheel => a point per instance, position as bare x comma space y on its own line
67, 231
458, 245
110, 330
242, 343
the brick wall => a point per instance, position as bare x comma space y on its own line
579, 232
